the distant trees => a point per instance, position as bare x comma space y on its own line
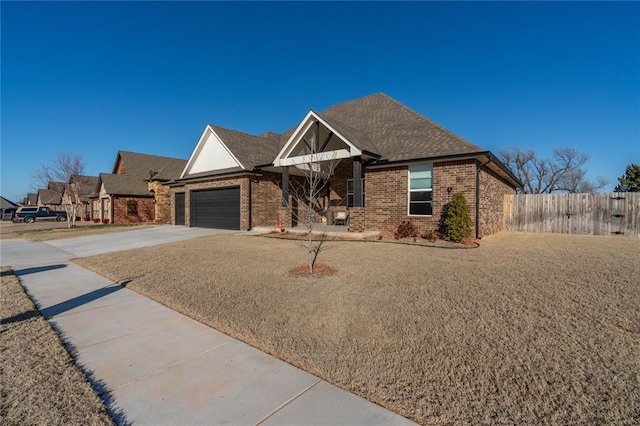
630, 181
68, 171
563, 172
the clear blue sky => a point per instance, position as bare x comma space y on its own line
94, 78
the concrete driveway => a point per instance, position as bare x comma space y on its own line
152, 365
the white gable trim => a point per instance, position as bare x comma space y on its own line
205, 138
282, 159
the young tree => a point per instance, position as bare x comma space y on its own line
67, 169
309, 192
564, 172
630, 181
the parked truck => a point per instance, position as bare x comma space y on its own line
31, 214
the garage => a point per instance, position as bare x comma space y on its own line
216, 208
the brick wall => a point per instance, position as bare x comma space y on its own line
492, 192
387, 192
266, 195
386, 197
144, 206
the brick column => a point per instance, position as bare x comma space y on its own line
284, 216
357, 219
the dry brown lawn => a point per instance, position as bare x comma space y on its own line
525, 329
59, 233
39, 382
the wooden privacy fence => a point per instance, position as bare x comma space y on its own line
591, 214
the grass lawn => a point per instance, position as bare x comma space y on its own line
525, 329
39, 382
58, 233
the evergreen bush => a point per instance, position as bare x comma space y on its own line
457, 223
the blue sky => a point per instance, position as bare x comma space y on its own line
97, 77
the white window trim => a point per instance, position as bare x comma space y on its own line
421, 190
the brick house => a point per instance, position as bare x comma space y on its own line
383, 162
133, 192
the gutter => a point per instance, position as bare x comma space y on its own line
184, 181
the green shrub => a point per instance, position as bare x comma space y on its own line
457, 223
406, 230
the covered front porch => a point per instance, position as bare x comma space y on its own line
321, 165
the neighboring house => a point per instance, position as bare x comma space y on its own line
86, 187
394, 165
6, 204
133, 191
30, 200
51, 196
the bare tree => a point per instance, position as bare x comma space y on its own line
564, 172
68, 170
310, 193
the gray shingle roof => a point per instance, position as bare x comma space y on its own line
87, 187
6, 204
31, 199
377, 124
49, 196
155, 167
250, 150
138, 170
396, 131
124, 184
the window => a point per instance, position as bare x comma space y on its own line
350, 192
421, 190
132, 207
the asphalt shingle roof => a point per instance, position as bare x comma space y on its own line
396, 131
155, 167
50, 196
376, 124
138, 169
124, 184
250, 150
6, 204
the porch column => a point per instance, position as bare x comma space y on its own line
357, 183
285, 186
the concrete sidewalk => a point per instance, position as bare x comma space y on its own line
155, 366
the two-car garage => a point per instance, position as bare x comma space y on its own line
213, 208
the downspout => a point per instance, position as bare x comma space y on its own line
478, 169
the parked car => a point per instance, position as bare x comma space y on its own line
7, 214
30, 214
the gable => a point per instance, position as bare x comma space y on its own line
315, 139
211, 154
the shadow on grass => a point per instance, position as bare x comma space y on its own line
20, 317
